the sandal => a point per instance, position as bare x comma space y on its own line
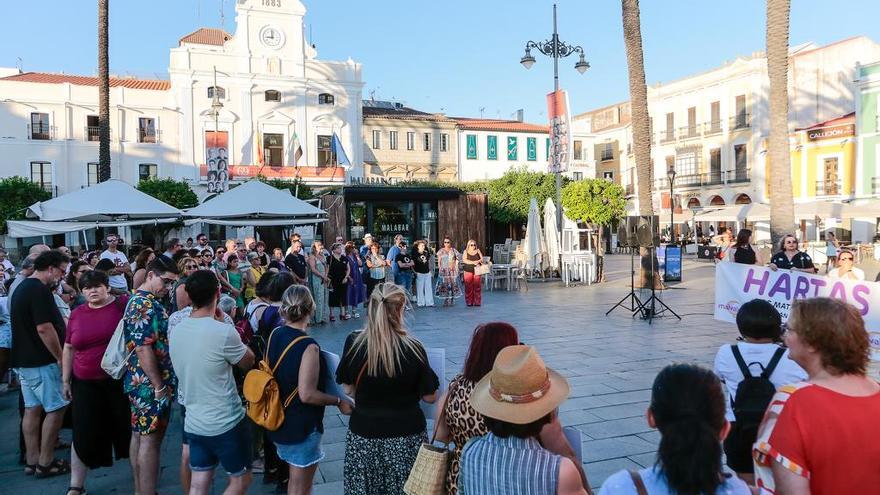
30, 469
357, 315
332, 318
56, 468
78, 489
346, 317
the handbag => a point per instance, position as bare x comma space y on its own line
114, 362
483, 269
428, 474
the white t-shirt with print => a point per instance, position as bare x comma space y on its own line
786, 372
116, 281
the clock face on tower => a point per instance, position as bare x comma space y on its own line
271, 37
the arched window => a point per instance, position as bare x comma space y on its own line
326, 99
273, 95
221, 93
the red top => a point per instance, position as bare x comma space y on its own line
89, 331
823, 435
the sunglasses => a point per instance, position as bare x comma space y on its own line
112, 240
191, 267
447, 242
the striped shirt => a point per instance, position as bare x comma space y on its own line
492, 465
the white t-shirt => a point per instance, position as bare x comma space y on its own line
859, 274
203, 352
786, 372
178, 317
116, 281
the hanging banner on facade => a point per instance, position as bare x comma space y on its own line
217, 150
736, 284
560, 132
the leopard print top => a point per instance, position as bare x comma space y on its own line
464, 423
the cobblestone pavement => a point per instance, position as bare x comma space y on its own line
609, 361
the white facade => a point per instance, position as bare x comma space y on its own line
722, 114
267, 53
477, 163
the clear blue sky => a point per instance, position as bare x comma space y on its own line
454, 56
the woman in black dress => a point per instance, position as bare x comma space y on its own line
742, 251
339, 274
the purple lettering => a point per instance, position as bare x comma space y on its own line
783, 285
838, 291
760, 282
859, 301
801, 287
818, 283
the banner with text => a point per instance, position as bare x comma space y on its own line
736, 284
217, 150
560, 131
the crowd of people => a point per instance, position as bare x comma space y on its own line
780, 412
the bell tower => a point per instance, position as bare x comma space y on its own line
271, 33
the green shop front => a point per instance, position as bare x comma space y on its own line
413, 212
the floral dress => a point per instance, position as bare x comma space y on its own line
463, 423
448, 286
319, 290
146, 324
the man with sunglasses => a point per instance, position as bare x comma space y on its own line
149, 378
845, 268
202, 247
118, 283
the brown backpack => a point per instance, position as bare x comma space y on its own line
261, 392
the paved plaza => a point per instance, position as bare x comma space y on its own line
609, 361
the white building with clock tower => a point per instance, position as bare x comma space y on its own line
275, 94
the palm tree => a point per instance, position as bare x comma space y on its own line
638, 90
780, 193
103, 91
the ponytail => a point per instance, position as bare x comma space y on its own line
385, 337
687, 403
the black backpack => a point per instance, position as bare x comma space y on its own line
754, 393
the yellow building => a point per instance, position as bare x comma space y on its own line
823, 160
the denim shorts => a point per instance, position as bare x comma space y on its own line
231, 449
42, 387
303, 454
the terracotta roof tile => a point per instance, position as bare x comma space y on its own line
403, 113
499, 125
207, 36
49, 78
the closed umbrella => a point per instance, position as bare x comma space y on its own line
534, 244
551, 234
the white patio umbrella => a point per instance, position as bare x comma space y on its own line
551, 234
534, 241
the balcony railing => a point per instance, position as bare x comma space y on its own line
667, 136
740, 121
711, 127
833, 188
688, 132
606, 155
737, 175
149, 136
93, 133
713, 178
43, 132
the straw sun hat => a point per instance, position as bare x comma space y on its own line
520, 388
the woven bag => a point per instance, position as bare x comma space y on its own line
428, 474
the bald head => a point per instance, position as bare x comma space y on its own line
36, 249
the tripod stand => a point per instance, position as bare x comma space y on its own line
648, 308
633, 300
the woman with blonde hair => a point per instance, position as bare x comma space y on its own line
179, 298
473, 258
386, 370
298, 357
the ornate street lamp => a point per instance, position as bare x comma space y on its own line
670, 174
555, 48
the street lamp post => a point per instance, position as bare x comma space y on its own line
556, 48
670, 174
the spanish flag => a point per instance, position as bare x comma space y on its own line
260, 160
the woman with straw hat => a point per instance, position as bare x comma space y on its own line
517, 398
